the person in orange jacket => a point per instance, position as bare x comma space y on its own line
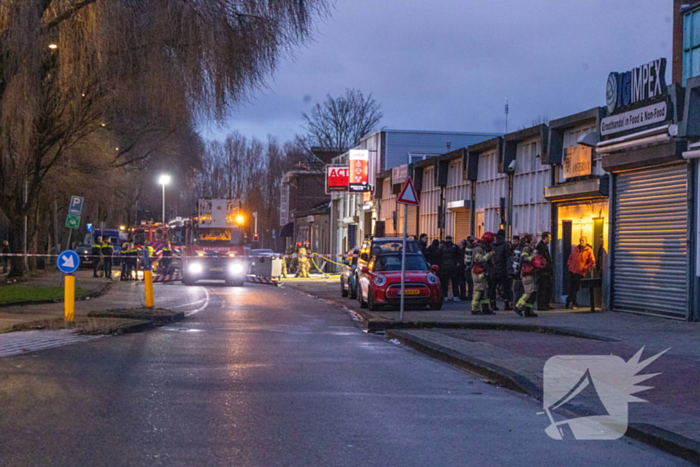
581, 261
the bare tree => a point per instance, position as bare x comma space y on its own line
338, 124
66, 65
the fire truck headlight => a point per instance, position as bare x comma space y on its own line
196, 268
236, 269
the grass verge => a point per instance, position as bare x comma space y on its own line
18, 293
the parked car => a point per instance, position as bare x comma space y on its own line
379, 245
347, 278
380, 282
86, 261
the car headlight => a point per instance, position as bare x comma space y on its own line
432, 278
196, 268
379, 280
236, 268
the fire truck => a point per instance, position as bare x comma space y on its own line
153, 234
214, 240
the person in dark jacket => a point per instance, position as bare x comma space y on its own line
499, 273
432, 253
96, 254
107, 253
449, 267
545, 275
462, 271
423, 243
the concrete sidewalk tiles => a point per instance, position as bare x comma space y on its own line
16, 343
516, 360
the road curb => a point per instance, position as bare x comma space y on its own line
649, 434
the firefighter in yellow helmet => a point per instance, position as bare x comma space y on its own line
304, 263
482, 254
528, 274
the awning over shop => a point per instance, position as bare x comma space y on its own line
287, 230
585, 189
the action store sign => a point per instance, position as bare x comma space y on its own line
359, 171
336, 178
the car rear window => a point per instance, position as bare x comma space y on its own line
384, 263
379, 247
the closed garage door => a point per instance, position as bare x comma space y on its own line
462, 225
651, 250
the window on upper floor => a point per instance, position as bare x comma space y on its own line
691, 44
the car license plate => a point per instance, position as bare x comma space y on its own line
411, 292
217, 269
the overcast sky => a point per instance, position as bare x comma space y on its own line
450, 64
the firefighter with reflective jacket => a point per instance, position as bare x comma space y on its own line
132, 262
167, 258
528, 273
303, 269
107, 253
481, 258
96, 255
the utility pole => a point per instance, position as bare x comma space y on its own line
507, 115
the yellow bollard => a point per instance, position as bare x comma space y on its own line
148, 282
69, 298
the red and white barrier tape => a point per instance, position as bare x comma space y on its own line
176, 276
260, 280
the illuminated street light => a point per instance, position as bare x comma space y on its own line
164, 180
53, 46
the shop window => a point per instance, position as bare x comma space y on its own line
691, 44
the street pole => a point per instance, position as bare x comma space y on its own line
163, 203
403, 259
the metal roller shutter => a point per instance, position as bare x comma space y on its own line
651, 250
462, 225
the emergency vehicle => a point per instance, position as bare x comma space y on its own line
214, 244
153, 234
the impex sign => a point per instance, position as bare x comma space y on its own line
336, 178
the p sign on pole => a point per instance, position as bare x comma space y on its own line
407, 197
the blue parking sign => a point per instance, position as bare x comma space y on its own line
76, 205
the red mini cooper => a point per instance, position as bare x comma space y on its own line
380, 282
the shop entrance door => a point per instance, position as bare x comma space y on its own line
566, 252
480, 224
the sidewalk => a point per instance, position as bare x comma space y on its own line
512, 351
113, 294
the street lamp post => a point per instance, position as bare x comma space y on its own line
164, 180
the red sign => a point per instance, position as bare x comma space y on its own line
359, 170
408, 194
336, 178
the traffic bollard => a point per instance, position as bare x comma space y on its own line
69, 298
148, 282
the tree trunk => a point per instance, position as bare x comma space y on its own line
16, 236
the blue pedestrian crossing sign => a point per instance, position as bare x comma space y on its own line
68, 261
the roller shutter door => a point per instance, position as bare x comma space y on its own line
651, 250
462, 225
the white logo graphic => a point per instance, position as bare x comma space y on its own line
602, 384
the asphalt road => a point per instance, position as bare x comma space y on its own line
267, 376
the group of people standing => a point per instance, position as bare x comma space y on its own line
481, 269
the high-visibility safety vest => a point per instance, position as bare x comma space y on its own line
150, 250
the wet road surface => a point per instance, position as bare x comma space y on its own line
268, 376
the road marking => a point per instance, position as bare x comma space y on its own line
206, 304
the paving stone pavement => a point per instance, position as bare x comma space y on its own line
672, 401
16, 343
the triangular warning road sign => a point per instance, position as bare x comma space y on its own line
408, 194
